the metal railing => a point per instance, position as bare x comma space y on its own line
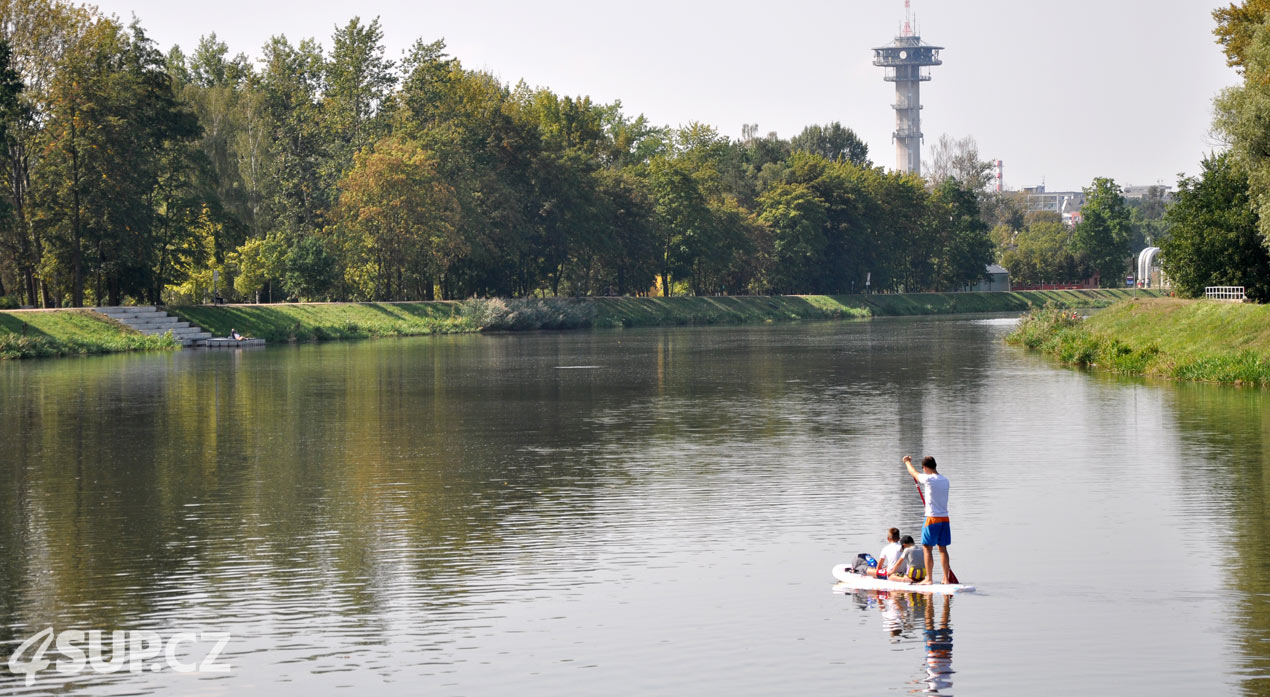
1226, 293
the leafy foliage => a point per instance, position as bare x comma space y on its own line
1215, 239
1103, 234
339, 173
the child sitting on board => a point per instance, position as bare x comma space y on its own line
910, 566
886, 558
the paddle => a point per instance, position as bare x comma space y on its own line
952, 578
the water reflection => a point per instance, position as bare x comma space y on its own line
918, 624
937, 640
1226, 434
461, 516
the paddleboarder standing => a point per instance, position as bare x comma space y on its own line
936, 532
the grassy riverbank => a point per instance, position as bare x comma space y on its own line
65, 332
1177, 339
44, 333
320, 321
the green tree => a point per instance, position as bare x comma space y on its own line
833, 142
358, 85
1243, 111
397, 222
10, 114
1237, 27
901, 244
1215, 240
963, 249
1104, 232
797, 219
309, 270
628, 258
1042, 253
117, 168
1146, 219
39, 33
290, 89
682, 219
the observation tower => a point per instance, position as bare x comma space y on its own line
907, 62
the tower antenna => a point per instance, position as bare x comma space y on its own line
907, 60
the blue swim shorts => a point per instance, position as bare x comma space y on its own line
936, 532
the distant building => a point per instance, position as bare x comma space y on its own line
1134, 193
996, 278
1066, 204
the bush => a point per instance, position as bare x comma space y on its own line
520, 314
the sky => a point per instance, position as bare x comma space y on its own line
1061, 92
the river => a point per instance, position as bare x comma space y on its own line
642, 512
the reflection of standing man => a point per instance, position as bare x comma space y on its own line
937, 530
939, 646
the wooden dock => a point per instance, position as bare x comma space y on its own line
222, 343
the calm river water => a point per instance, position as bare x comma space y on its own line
649, 512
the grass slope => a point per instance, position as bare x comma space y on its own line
41, 333
319, 321
1177, 339
322, 321
62, 332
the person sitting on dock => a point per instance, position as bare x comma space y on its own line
233, 334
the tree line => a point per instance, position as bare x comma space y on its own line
339, 173
1221, 220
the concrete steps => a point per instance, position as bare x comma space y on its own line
151, 320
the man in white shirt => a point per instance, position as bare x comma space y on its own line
937, 531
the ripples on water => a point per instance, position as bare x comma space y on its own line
640, 512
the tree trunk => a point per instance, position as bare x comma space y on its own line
77, 261
32, 293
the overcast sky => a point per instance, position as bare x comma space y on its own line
1061, 91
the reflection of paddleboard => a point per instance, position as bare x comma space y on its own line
849, 581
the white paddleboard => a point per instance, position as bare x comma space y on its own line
848, 581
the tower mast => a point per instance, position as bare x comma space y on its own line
907, 61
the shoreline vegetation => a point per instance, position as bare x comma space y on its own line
44, 333
1194, 340
77, 332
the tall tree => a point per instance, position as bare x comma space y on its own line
1103, 234
958, 159
1043, 253
1237, 26
797, 219
683, 220
833, 142
117, 167
1243, 111
291, 88
359, 82
397, 222
627, 257
964, 249
39, 32
1215, 239
11, 112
